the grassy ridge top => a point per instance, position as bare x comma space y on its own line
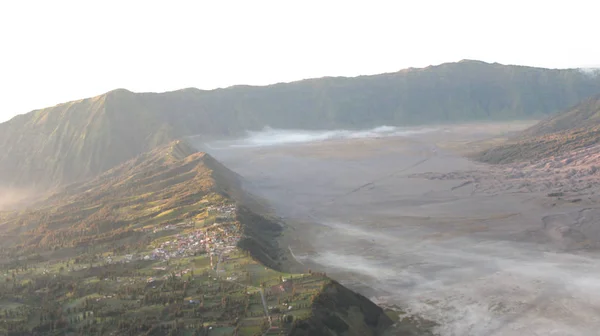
81, 139
164, 185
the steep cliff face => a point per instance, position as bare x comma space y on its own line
338, 311
260, 238
77, 140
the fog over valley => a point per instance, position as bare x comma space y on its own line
274, 137
401, 215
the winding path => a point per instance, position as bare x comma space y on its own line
264, 302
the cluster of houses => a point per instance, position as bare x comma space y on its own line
217, 241
212, 240
183, 245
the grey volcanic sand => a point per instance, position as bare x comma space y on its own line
407, 222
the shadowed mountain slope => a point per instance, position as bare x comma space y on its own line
78, 140
585, 115
575, 129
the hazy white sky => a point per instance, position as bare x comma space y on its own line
55, 51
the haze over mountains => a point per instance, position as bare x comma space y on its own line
78, 140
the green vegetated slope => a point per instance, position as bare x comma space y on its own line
77, 140
164, 185
163, 244
576, 128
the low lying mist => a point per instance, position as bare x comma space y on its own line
274, 137
468, 285
591, 71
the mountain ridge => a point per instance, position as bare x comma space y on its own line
463, 61
110, 236
75, 141
572, 130
585, 114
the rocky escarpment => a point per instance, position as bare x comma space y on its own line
338, 311
260, 235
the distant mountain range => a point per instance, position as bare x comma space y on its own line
78, 140
574, 129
